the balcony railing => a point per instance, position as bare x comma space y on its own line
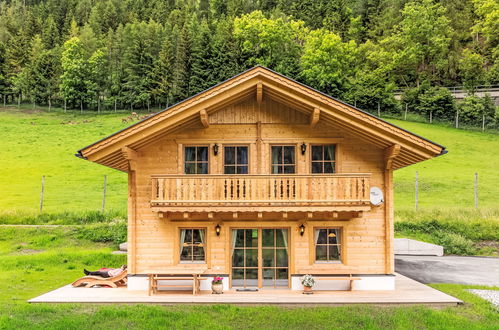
259, 192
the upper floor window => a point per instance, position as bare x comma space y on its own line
323, 158
283, 159
236, 160
192, 245
327, 244
196, 160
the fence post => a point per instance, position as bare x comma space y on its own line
457, 118
379, 111
405, 114
104, 194
41, 193
476, 190
417, 191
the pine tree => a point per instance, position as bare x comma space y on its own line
181, 65
199, 60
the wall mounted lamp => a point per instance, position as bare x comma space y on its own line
303, 148
217, 230
302, 229
215, 149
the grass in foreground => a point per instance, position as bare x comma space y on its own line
60, 257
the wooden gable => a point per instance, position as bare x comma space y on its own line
290, 102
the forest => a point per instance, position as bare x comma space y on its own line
102, 55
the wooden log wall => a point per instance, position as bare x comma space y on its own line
259, 126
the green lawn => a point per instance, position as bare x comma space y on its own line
36, 143
36, 260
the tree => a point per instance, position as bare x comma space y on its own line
199, 69
328, 64
272, 42
142, 43
162, 77
420, 42
373, 86
74, 73
225, 54
3, 73
472, 67
97, 79
181, 65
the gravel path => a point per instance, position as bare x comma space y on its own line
490, 295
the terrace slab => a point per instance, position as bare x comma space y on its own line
407, 292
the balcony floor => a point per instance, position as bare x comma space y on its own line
407, 292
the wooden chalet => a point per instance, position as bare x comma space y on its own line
261, 179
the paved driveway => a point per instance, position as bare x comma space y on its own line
449, 269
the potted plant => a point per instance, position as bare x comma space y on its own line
217, 285
308, 282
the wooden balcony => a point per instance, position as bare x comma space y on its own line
260, 193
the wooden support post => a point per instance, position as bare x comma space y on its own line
314, 117
203, 116
476, 190
104, 194
389, 226
259, 93
41, 193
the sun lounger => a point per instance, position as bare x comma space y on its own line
90, 281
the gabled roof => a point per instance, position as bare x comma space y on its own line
411, 148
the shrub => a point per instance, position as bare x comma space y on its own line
426, 100
473, 108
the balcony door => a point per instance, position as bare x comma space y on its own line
260, 258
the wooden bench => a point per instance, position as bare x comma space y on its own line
339, 278
154, 284
345, 277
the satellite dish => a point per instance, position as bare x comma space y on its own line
376, 196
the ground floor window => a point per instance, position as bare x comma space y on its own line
192, 245
327, 244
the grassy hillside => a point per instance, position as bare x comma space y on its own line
36, 142
447, 181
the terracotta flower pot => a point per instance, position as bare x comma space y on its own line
217, 288
307, 290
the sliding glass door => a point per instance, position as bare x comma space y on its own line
260, 258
